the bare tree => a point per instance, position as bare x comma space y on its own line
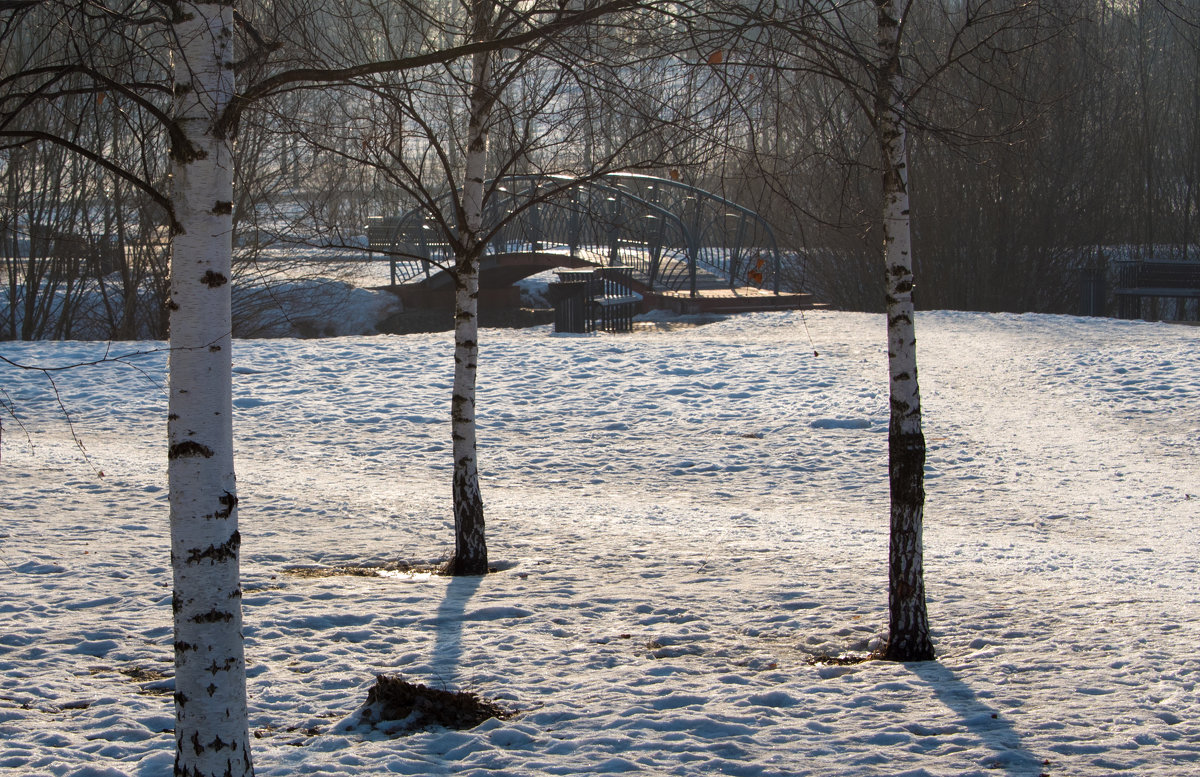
908, 625
449, 138
119, 52
211, 728
876, 70
470, 542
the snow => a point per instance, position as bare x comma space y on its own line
314, 307
681, 518
535, 289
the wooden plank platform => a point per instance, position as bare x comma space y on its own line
738, 300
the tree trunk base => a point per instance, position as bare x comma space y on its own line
465, 567
908, 621
906, 653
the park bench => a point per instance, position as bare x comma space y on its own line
1153, 281
593, 299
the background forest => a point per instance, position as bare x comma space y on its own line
1045, 138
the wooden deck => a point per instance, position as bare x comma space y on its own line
738, 300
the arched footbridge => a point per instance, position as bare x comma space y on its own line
671, 237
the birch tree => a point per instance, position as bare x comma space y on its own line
116, 52
470, 541
868, 64
446, 138
211, 728
908, 622
832, 49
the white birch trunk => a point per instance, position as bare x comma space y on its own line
908, 624
211, 731
470, 542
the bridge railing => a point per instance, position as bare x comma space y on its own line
730, 240
662, 230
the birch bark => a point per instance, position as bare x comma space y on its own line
470, 542
211, 731
908, 623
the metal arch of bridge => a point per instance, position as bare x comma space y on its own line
665, 232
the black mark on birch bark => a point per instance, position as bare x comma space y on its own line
228, 501
214, 668
217, 553
188, 448
220, 744
214, 279
212, 616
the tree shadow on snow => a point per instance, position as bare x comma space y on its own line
984, 722
448, 625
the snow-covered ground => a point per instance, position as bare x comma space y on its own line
681, 518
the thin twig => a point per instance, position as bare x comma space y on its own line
106, 359
71, 425
11, 407
124, 359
